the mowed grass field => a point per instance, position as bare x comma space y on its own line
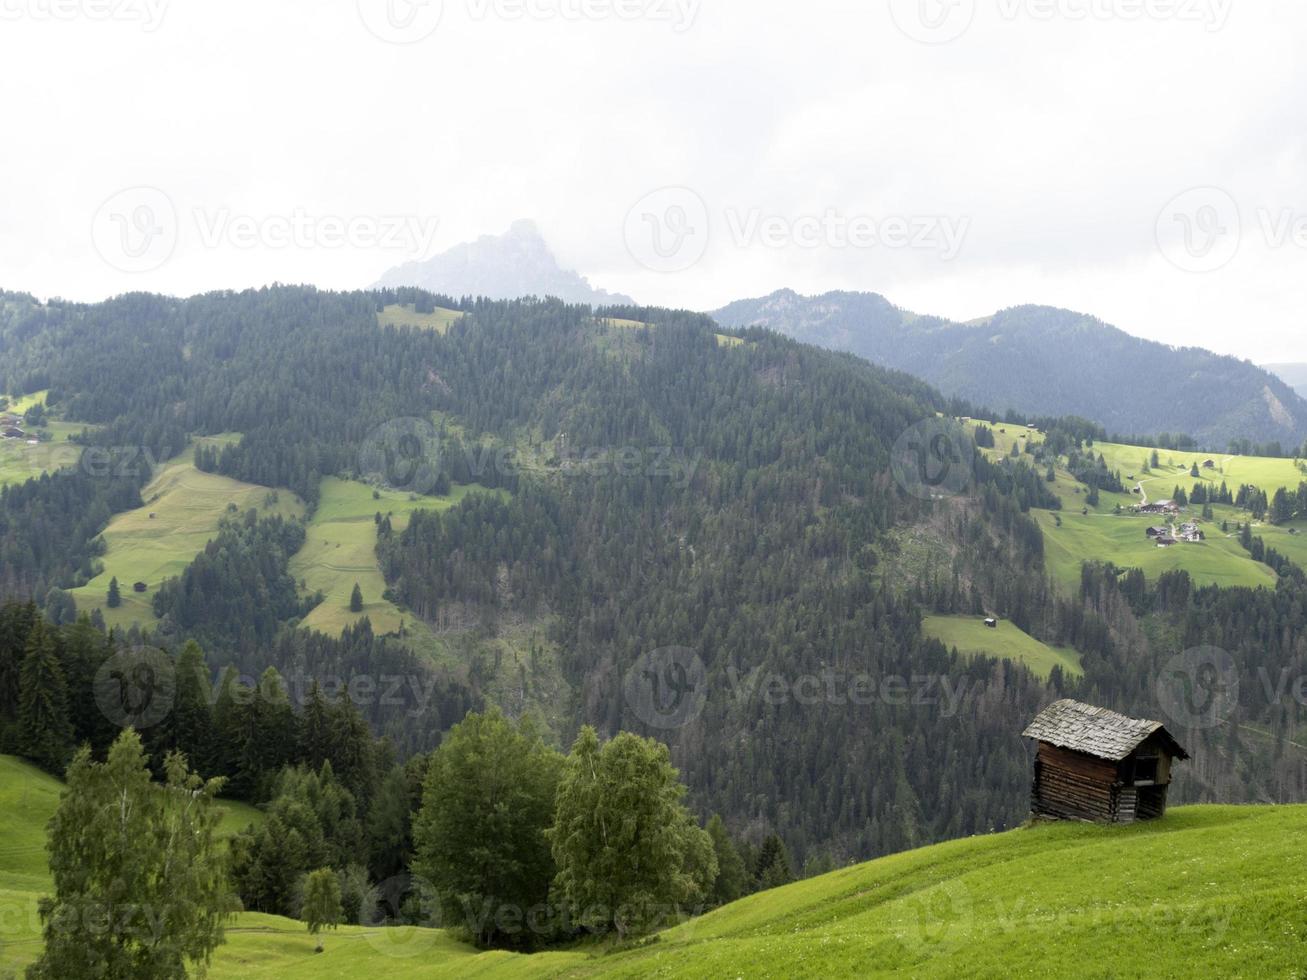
20, 462
970, 635
405, 315
187, 507
1080, 533
341, 549
1208, 891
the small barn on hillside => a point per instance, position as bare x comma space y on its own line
1095, 764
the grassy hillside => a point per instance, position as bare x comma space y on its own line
1079, 532
970, 635
183, 508
1209, 891
20, 462
341, 549
439, 320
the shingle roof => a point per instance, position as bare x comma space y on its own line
1095, 731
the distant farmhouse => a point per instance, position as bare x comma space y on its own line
11, 426
1160, 507
1095, 764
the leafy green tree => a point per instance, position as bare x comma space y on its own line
732, 879
356, 599
629, 853
114, 599
480, 836
140, 878
45, 733
321, 907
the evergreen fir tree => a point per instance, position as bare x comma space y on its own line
45, 733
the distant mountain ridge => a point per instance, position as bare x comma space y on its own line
1294, 375
1047, 361
514, 264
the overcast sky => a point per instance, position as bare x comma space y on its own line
1141, 160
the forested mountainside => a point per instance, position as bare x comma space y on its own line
514, 264
642, 484
1046, 361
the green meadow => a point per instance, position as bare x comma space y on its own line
406, 315
341, 549
20, 462
1208, 891
183, 508
970, 636
1081, 533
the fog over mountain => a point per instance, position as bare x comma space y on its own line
516, 263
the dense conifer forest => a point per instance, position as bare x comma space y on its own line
634, 489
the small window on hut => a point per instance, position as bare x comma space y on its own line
1146, 769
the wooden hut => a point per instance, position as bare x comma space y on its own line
1095, 764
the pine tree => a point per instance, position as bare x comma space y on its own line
732, 879
773, 868
45, 732
356, 599
115, 599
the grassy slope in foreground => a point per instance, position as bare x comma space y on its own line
1210, 891
187, 506
970, 635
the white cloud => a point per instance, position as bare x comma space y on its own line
1058, 140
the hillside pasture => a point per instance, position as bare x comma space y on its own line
406, 315
182, 511
20, 462
1072, 536
971, 637
341, 549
